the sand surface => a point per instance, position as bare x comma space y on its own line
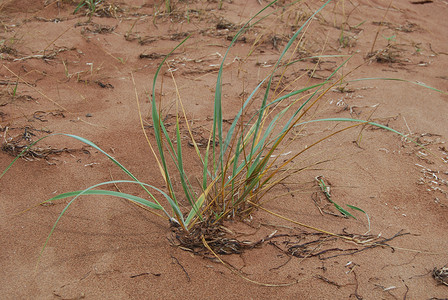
67, 73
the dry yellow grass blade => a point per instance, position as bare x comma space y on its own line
311, 227
31, 86
143, 129
179, 101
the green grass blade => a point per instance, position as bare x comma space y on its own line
266, 95
108, 193
238, 115
91, 144
159, 127
357, 121
20, 155
326, 192
401, 80
205, 166
293, 119
358, 209
199, 202
156, 204
137, 199
180, 164
217, 111
81, 4
343, 211
85, 141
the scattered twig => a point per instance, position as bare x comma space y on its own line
183, 269
284, 252
324, 279
371, 245
357, 296
145, 273
10, 82
422, 2
406, 293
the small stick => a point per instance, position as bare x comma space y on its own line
146, 273
328, 281
183, 269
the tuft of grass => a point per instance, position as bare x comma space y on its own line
240, 164
14, 90
91, 6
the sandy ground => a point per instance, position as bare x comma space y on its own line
64, 73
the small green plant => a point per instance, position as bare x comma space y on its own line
90, 4
14, 91
391, 38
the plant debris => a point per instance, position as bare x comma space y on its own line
108, 10
151, 55
215, 235
23, 142
97, 28
321, 245
441, 275
422, 2
31, 154
303, 245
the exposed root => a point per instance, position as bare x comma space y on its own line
215, 235
235, 271
302, 245
322, 248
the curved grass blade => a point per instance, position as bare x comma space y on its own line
265, 98
326, 192
183, 177
256, 167
111, 193
159, 127
401, 80
87, 142
358, 121
130, 197
358, 209
194, 212
217, 111
81, 4
20, 155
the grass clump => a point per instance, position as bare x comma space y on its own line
239, 165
